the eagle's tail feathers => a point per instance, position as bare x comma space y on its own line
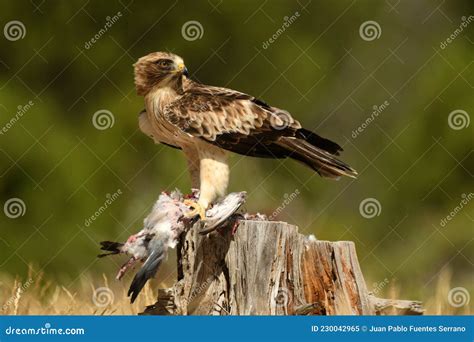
317, 158
318, 141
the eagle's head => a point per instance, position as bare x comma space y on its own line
158, 69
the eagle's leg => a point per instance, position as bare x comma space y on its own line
213, 177
192, 158
197, 209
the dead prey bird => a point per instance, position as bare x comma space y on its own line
161, 230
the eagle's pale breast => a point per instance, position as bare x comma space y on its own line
156, 101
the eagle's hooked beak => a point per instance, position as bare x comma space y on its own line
183, 69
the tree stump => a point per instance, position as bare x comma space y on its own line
268, 268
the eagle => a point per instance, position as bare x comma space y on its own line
208, 122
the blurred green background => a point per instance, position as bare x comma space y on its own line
414, 160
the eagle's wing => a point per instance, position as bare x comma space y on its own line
229, 119
246, 125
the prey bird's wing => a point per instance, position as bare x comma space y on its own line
149, 268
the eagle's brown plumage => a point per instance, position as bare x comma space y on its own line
243, 124
205, 120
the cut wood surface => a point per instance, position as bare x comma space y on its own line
268, 268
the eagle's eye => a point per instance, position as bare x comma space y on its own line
164, 63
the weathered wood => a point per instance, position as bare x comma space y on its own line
268, 268
396, 306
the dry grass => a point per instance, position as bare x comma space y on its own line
438, 304
43, 297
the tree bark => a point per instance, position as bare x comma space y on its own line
268, 268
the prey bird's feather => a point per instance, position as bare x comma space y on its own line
148, 270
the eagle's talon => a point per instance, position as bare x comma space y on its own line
197, 209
